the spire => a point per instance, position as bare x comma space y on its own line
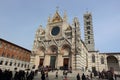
76, 22
65, 17
57, 17
49, 19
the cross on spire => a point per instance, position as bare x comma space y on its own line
57, 8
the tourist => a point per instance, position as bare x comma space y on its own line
70, 70
110, 74
78, 76
83, 77
47, 78
43, 76
91, 75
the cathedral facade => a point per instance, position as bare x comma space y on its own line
59, 46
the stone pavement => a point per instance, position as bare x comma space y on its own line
70, 76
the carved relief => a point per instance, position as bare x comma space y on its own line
40, 51
52, 50
65, 50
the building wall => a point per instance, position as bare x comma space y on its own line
12, 56
105, 63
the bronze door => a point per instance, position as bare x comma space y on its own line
41, 62
52, 61
66, 63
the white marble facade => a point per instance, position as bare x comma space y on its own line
60, 45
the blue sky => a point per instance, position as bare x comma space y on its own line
19, 19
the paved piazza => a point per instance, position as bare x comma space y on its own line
71, 76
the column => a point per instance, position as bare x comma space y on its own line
78, 62
59, 61
37, 59
46, 60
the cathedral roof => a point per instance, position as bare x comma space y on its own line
57, 17
14, 44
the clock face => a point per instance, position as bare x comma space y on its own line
55, 31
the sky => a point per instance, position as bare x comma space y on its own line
19, 19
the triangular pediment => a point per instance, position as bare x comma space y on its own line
56, 17
52, 43
66, 42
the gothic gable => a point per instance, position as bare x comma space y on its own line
56, 18
66, 42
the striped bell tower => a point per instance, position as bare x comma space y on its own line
88, 32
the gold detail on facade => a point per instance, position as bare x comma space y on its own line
56, 18
68, 28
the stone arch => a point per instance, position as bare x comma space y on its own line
41, 50
52, 55
67, 56
112, 62
53, 49
66, 49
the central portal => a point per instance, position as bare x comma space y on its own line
52, 61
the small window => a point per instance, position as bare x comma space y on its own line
15, 64
88, 27
28, 66
25, 65
88, 23
10, 63
6, 63
21, 65
88, 32
1, 62
88, 42
93, 58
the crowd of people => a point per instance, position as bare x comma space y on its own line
16, 75
29, 74
44, 72
108, 75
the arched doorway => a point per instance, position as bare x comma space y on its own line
41, 52
53, 52
112, 62
66, 51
